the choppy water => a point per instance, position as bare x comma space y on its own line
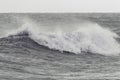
59, 46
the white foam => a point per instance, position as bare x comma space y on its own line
87, 37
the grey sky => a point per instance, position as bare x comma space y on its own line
59, 5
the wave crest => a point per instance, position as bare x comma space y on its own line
86, 38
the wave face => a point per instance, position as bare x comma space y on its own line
85, 37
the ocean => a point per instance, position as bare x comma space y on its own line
59, 46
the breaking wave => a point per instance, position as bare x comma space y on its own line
87, 37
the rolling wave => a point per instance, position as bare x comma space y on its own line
87, 37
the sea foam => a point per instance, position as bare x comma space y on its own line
87, 37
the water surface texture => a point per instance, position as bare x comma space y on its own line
59, 46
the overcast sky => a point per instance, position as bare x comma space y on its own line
59, 5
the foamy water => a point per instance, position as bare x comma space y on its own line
83, 37
59, 46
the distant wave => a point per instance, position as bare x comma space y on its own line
88, 37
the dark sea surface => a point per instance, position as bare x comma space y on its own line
22, 58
